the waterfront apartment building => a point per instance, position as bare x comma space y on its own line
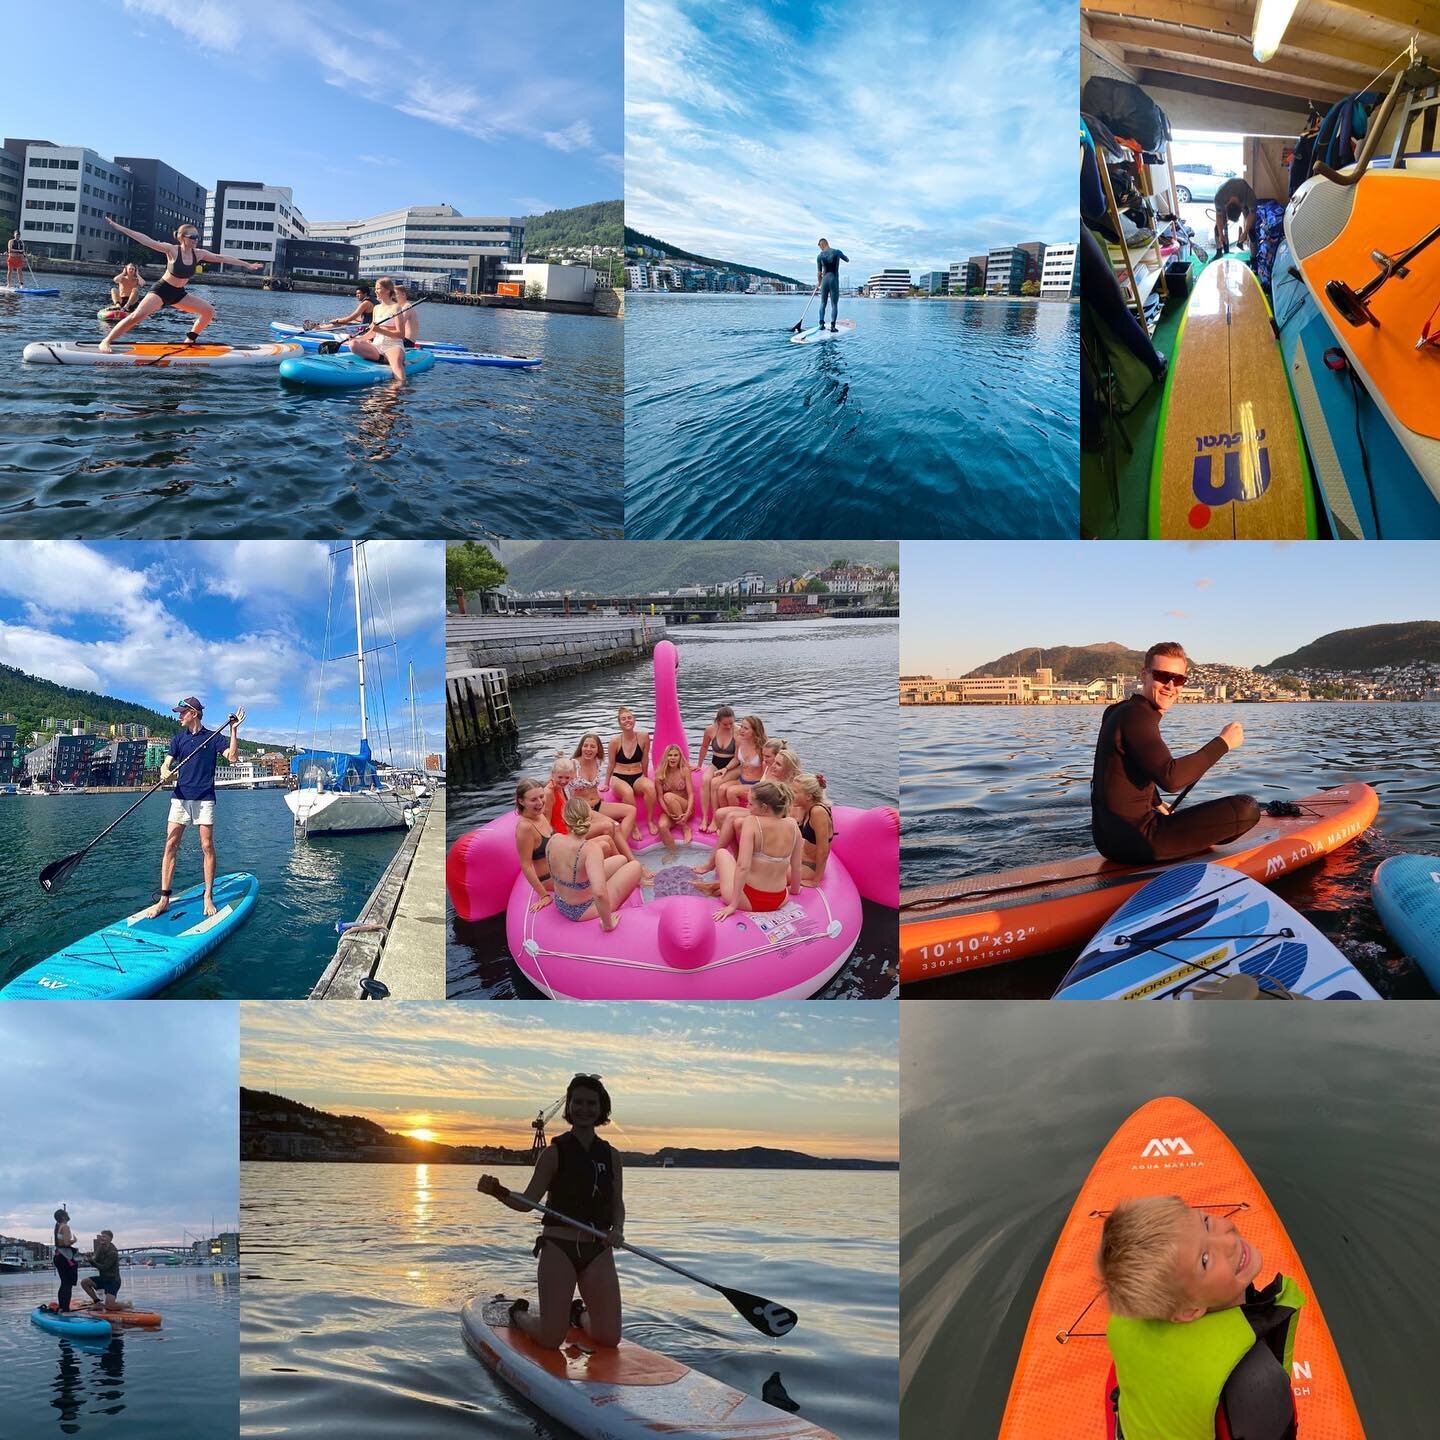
63, 760
250, 219
162, 199
889, 284
967, 275
431, 247
1008, 267
67, 192
1059, 274
935, 282
12, 175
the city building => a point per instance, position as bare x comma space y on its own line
249, 219
1059, 274
7, 753
299, 258
889, 283
162, 199
121, 762
61, 760
934, 282
432, 247
12, 174
1006, 270
68, 191
575, 283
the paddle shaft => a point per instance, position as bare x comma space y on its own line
338, 343
799, 325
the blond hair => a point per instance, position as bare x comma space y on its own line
667, 764
771, 795
1139, 1250
789, 761
811, 785
578, 815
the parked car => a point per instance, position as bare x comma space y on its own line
1199, 182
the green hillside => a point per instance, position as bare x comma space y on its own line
32, 701
1412, 642
609, 567
1069, 662
597, 224
636, 237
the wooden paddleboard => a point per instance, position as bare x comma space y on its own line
1229, 463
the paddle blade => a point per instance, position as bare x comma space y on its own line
54, 875
765, 1315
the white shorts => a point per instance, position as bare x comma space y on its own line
191, 812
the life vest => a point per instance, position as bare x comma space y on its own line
557, 813
1171, 1374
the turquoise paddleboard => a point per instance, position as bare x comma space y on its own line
348, 372
133, 958
1406, 891
1199, 923
80, 1326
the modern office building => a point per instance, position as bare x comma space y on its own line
313, 259
67, 193
967, 275
12, 174
162, 199
250, 219
1034, 251
121, 762
935, 282
1005, 269
7, 753
889, 284
432, 247
1059, 276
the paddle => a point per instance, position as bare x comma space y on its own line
332, 347
765, 1315
58, 871
799, 325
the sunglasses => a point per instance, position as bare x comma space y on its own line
1168, 677
588, 1079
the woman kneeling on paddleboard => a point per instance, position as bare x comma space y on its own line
1133, 764
384, 341
125, 288
185, 258
578, 1175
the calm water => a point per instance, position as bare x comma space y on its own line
179, 1380
784, 673
465, 450
991, 787
1332, 1106
942, 420
353, 1318
305, 885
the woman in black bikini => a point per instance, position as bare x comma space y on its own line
629, 760
810, 809
172, 287
579, 1175
718, 743
533, 833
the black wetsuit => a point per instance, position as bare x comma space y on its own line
68, 1269
1132, 765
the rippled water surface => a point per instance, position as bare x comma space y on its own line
464, 449
179, 1380
826, 686
987, 788
1332, 1107
279, 952
941, 420
355, 1276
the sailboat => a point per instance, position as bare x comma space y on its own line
341, 793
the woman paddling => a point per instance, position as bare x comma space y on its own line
183, 259
385, 339
360, 315
579, 1175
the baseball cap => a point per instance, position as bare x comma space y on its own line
190, 702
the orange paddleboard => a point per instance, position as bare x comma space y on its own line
1165, 1148
115, 1317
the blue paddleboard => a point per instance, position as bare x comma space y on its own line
134, 958
25, 290
313, 339
1406, 892
1199, 923
80, 1326
348, 372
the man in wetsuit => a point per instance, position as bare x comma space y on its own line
1133, 764
827, 275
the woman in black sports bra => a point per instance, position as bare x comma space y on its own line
810, 807
629, 760
533, 833
577, 1174
183, 258
718, 744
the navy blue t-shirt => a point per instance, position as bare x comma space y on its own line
197, 780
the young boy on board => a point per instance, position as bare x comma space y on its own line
1200, 1353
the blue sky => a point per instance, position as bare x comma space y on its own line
820, 1078
907, 135
1239, 603
136, 1132
358, 106
236, 623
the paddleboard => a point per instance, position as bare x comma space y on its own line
79, 1326
1228, 461
1199, 923
348, 372
155, 353
817, 333
621, 1392
136, 957
147, 1318
1031, 910
1167, 1147
1345, 429
1406, 892
1331, 231
25, 290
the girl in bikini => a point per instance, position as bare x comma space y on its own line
810, 809
183, 259
589, 781
533, 833
782, 764
767, 871
588, 885
385, 339
747, 769
579, 1175
718, 743
676, 793
125, 289
629, 759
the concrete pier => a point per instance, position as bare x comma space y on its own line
407, 955
534, 649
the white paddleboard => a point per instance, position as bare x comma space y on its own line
817, 333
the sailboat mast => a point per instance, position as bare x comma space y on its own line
359, 634
414, 731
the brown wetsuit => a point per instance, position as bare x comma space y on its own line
1132, 765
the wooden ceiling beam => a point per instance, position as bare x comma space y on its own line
1420, 16
1278, 84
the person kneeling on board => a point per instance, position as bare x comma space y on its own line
1129, 821
106, 1259
578, 1174
1199, 1350
192, 761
